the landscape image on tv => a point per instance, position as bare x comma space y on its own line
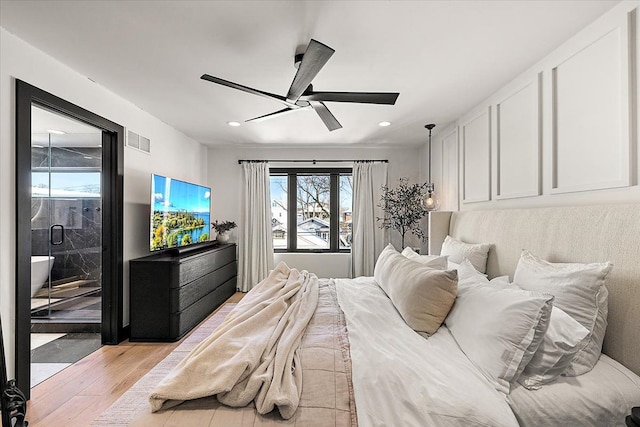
179, 213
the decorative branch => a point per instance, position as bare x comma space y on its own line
403, 208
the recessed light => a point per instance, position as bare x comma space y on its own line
384, 124
57, 132
234, 124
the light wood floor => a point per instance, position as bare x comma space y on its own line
78, 394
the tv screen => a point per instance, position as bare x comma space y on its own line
179, 213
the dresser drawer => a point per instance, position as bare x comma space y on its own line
183, 297
183, 322
197, 266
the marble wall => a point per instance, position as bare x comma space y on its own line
78, 211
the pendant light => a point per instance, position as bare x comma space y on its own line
430, 203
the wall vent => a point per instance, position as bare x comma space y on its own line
138, 142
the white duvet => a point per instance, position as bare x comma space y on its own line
430, 379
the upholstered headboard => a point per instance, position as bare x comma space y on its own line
563, 234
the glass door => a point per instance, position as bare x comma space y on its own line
66, 221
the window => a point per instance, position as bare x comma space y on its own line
65, 184
311, 209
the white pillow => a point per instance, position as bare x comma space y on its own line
457, 251
579, 290
559, 346
434, 261
498, 329
468, 275
422, 295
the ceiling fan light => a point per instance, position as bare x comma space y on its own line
233, 124
384, 124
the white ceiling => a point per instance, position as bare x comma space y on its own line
76, 134
444, 57
42, 121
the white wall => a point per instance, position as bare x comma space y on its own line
562, 133
225, 178
172, 153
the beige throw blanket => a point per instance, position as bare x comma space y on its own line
253, 355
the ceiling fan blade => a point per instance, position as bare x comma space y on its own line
314, 58
247, 89
274, 114
329, 119
388, 98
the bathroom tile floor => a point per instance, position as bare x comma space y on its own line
51, 353
88, 308
38, 340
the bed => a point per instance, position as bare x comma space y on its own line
363, 365
586, 234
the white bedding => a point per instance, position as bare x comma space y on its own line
431, 380
602, 397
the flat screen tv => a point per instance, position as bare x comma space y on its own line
179, 213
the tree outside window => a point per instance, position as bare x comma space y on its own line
322, 217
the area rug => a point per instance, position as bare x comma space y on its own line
136, 399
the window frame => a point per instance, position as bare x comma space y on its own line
292, 200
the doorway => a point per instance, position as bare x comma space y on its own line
69, 191
66, 241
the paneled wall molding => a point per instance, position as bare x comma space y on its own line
435, 164
476, 157
591, 105
564, 132
518, 141
448, 188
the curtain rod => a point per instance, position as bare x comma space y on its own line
309, 161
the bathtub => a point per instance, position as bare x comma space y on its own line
40, 269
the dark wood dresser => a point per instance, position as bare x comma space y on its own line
172, 293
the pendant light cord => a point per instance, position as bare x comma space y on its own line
430, 126
429, 155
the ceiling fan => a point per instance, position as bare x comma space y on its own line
301, 94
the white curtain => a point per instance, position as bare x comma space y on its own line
256, 244
368, 238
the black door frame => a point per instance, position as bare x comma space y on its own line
112, 220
